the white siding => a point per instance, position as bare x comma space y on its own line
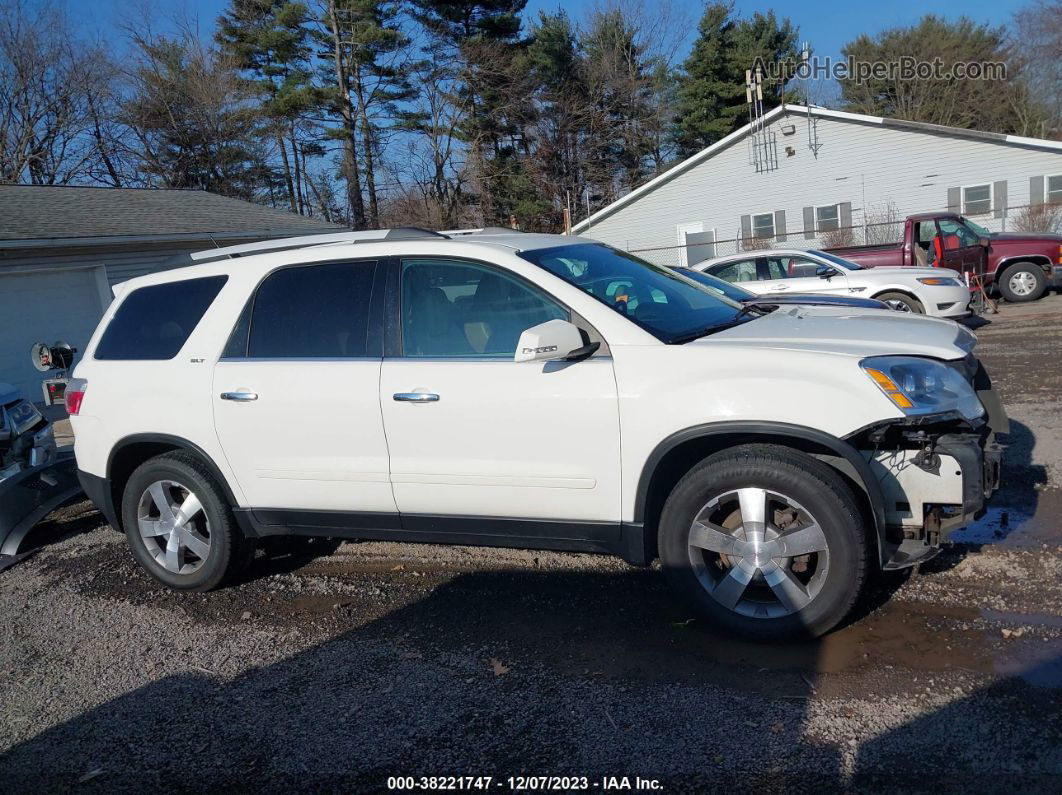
867, 164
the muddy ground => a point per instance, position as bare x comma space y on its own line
338, 669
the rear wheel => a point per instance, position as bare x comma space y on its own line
765, 541
179, 525
1023, 282
901, 302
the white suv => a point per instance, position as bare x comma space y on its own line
536, 391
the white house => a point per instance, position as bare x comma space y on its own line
812, 176
61, 249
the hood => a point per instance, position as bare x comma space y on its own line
850, 333
906, 270
814, 299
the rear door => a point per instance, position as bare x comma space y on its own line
473, 434
296, 393
742, 272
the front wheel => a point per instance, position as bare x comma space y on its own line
901, 302
765, 541
1022, 282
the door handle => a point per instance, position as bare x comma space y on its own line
239, 396
416, 397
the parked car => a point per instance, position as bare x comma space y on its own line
1020, 266
928, 291
537, 391
736, 293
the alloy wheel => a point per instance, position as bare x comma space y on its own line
174, 527
758, 552
897, 305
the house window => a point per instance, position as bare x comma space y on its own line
763, 225
827, 218
1053, 188
977, 200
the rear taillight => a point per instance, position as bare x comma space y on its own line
75, 393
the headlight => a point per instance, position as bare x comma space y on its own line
941, 281
923, 386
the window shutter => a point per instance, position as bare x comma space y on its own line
1036, 190
746, 227
844, 215
809, 223
999, 198
779, 225
954, 200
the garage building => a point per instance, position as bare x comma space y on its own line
62, 248
814, 178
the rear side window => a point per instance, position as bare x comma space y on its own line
315, 311
154, 322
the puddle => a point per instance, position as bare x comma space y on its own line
1009, 527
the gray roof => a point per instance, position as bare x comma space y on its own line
46, 212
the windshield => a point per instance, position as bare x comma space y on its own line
844, 263
980, 231
731, 291
668, 305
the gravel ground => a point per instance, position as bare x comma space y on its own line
337, 669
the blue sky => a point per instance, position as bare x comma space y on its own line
827, 24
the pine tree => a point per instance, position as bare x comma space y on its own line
711, 89
270, 41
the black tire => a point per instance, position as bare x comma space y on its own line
229, 552
816, 487
911, 303
1032, 280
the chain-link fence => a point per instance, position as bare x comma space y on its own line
875, 230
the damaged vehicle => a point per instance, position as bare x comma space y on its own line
34, 478
539, 391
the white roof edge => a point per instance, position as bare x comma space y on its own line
828, 113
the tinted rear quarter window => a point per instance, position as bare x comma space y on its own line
154, 322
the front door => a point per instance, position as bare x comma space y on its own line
790, 273
296, 394
473, 434
963, 251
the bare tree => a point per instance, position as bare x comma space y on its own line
51, 86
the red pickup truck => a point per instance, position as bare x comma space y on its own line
1019, 266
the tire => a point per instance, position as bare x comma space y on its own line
901, 302
1022, 282
188, 565
831, 580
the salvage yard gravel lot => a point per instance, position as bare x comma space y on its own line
339, 666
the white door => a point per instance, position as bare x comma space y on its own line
296, 395
472, 433
787, 273
696, 243
44, 307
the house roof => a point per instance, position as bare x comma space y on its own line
826, 113
50, 215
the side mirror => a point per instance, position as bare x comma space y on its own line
825, 271
553, 340
984, 242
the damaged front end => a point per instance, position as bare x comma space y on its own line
34, 477
936, 472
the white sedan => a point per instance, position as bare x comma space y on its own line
929, 291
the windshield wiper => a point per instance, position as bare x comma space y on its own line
734, 321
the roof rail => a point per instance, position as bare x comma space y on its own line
282, 244
483, 230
